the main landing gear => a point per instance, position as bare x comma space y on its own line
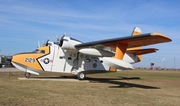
27, 75
81, 76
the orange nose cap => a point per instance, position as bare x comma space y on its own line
28, 60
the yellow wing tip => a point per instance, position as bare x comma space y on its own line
161, 35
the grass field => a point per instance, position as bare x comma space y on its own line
127, 88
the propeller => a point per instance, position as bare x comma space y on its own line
60, 41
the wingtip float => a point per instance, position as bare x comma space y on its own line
71, 56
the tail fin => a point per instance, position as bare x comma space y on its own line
136, 32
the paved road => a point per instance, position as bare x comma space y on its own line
8, 69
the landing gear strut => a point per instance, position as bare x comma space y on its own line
27, 75
81, 76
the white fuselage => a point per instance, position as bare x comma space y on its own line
67, 61
54, 58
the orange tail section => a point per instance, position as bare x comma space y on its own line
136, 32
121, 49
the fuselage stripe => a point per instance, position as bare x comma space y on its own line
52, 59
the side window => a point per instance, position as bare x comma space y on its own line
42, 51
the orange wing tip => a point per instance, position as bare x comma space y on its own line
156, 34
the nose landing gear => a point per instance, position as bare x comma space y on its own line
27, 75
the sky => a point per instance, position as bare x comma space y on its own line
24, 22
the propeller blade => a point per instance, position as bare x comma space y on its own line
58, 39
46, 44
61, 40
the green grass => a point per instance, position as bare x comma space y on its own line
130, 88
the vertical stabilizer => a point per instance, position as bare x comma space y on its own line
136, 32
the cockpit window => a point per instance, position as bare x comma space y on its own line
39, 51
49, 44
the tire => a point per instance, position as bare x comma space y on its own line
81, 76
27, 75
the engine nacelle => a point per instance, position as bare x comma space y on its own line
69, 43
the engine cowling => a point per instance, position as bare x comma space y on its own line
69, 43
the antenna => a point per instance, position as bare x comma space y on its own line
64, 34
38, 43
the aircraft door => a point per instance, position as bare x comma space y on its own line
59, 63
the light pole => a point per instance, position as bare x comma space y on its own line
164, 62
174, 63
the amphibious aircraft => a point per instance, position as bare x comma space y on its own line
71, 56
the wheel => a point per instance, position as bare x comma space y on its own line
27, 75
81, 76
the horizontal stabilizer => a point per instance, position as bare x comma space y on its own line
141, 51
116, 63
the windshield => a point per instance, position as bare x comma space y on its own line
75, 39
38, 51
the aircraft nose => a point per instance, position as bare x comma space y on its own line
24, 58
17, 62
27, 61
17, 58
13, 60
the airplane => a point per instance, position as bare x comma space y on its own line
71, 56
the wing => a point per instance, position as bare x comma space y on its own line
130, 41
120, 45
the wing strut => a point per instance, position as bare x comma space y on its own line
120, 50
121, 47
